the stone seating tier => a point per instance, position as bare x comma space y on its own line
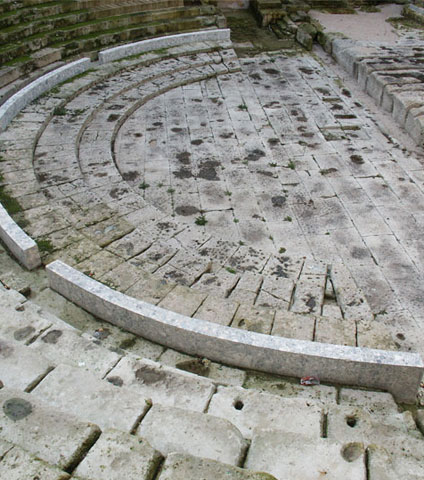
35, 35
71, 407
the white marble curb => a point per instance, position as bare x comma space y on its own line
116, 53
21, 99
397, 372
20, 244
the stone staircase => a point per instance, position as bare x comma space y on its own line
35, 35
73, 408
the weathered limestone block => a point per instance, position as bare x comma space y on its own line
47, 433
183, 300
305, 35
82, 394
164, 385
18, 464
117, 455
174, 430
294, 325
187, 467
249, 410
295, 457
61, 345
254, 319
20, 367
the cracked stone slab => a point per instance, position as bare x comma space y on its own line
59, 439
309, 294
175, 430
164, 385
183, 300
84, 395
107, 231
186, 467
217, 310
118, 455
251, 411
20, 367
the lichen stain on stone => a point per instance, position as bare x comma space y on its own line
5, 349
17, 408
149, 375
117, 381
352, 451
52, 336
23, 333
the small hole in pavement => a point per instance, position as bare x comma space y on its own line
351, 421
238, 405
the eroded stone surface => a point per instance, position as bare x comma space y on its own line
164, 385
250, 411
83, 394
174, 430
186, 467
304, 458
116, 455
43, 431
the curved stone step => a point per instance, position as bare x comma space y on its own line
244, 349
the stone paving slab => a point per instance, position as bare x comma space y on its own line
215, 371
86, 396
116, 455
185, 467
20, 367
183, 300
18, 464
251, 411
164, 385
46, 433
18, 321
66, 346
289, 455
174, 430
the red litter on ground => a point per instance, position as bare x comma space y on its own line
308, 381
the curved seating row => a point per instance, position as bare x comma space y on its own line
71, 407
12, 234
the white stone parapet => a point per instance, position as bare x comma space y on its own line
19, 243
116, 53
397, 372
21, 99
